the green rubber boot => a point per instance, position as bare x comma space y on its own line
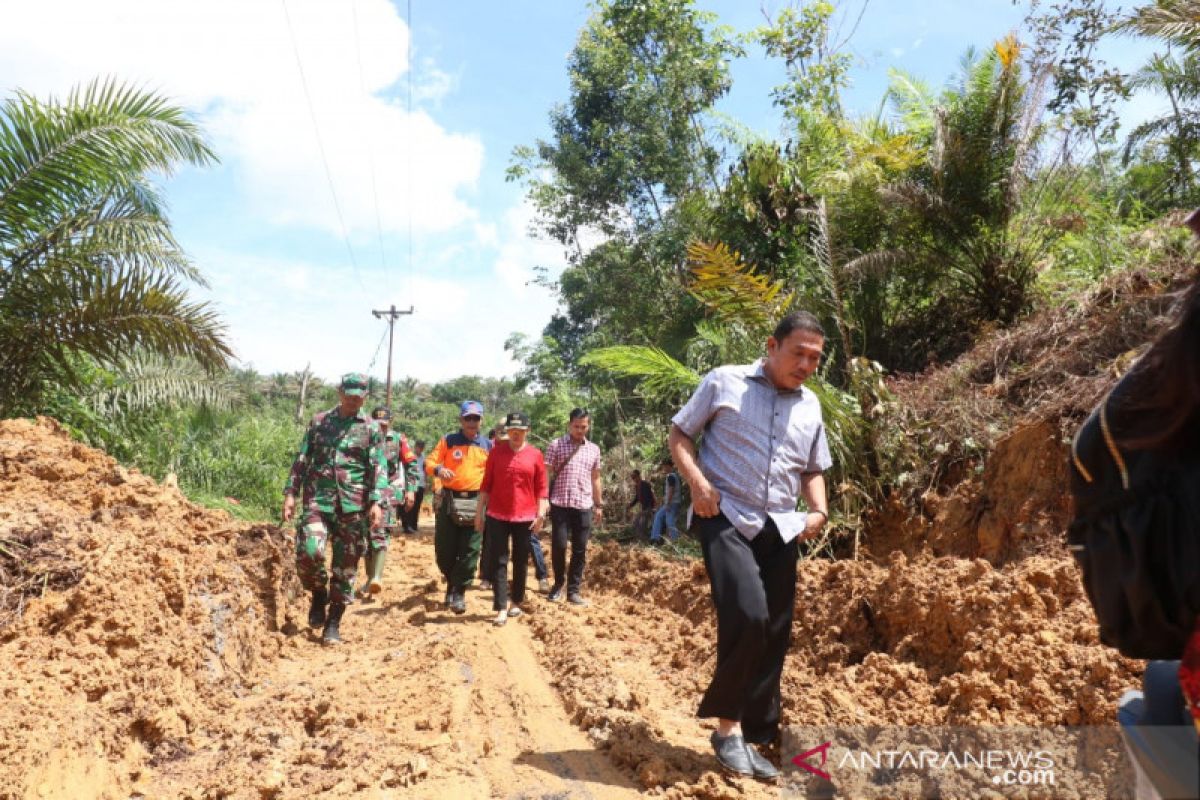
375, 563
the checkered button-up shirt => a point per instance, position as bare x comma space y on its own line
572, 487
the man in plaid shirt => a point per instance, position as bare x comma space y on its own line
576, 500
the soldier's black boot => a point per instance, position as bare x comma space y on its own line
330, 635
316, 611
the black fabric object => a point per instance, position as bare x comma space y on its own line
1135, 534
500, 534
753, 592
571, 526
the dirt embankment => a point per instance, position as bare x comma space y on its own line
160, 658
152, 614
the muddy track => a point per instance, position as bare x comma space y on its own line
416, 699
161, 657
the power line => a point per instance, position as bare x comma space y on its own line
378, 347
362, 82
411, 130
320, 145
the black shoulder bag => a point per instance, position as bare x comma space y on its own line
1135, 534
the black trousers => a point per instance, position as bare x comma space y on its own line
573, 525
753, 590
413, 515
499, 534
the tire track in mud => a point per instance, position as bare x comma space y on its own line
417, 702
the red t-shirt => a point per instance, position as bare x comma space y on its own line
514, 482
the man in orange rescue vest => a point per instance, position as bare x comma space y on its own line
458, 460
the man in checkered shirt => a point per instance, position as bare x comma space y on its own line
576, 501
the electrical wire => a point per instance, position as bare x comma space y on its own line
362, 82
378, 347
410, 148
320, 144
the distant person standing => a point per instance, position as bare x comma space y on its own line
397, 497
512, 502
457, 461
668, 512
412, 516
576, 503
764, 447
340, 473
643, 497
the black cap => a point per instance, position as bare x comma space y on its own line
382, 413
517, 419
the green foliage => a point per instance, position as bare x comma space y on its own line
659, 373
88, 264
1173, 138
817, 71
226, 454
968, 240
1175, 22
1085, 90
629, 143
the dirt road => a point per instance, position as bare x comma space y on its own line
418, 702
152, 650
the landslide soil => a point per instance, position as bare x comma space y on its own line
162, 655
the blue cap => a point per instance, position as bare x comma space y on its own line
470, 407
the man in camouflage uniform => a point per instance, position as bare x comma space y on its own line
399, 495
340, 474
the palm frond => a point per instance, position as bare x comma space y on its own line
105, 136
1174, 21
875, 264
661, 375
145, 380
88, 263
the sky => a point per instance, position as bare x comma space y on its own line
363, 146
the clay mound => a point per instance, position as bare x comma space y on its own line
996, 424
130, 616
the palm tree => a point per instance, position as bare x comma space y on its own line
1176, 22
88, 264
966, 202
1179, 131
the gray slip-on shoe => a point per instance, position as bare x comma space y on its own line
763, 769
731, 753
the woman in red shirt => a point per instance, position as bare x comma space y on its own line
513, 500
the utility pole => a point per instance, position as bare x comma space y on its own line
392, 314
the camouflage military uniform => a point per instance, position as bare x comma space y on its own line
339, 472
402, 478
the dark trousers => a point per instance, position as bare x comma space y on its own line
539, 557
411, 517
456, 548
753, 590
572, 525
499, 534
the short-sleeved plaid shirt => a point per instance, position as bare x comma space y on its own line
572, 486
759, 441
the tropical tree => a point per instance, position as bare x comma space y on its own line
968, 234
1177, 133
88, 263
630, 142
1175, 22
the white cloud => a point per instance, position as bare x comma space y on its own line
459, 326
233, 62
